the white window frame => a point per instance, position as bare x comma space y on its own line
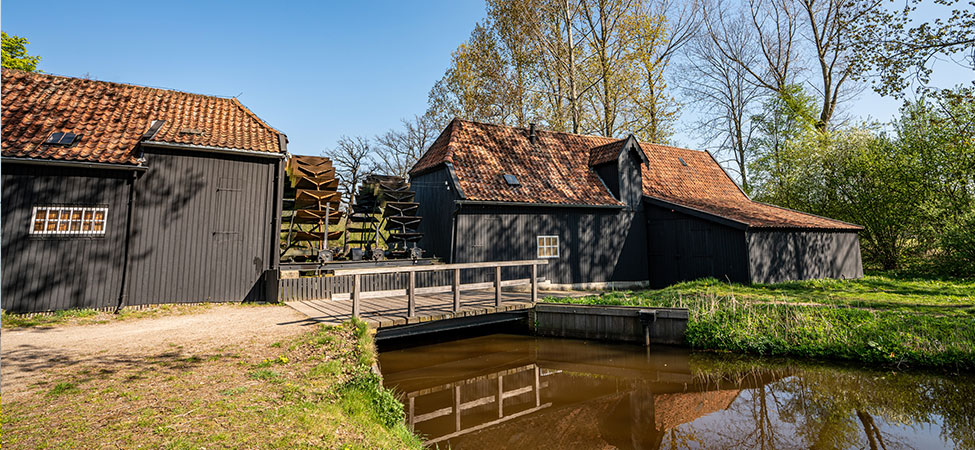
57, 231
544, 242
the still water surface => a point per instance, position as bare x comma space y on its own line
572, 394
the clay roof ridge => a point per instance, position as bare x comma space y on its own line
114, 83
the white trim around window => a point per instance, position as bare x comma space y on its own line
548, 246
68, 220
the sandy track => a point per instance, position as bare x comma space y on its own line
28, 353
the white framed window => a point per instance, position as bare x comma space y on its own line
548, 246
69, 220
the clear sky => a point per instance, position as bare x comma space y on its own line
315, 70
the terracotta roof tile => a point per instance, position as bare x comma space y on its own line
110, 118
558, 171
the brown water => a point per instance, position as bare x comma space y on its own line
571, 394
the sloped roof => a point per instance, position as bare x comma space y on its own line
557, 171
110, 118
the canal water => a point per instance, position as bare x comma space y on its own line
514, 391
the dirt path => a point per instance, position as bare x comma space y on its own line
29, 354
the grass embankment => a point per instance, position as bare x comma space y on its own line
877, 319
317, 391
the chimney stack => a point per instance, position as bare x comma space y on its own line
532, 137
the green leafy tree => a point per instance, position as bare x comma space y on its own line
15, 54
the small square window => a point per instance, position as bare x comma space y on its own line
548, 246
69, 220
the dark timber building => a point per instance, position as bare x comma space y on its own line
115, 193
613, 212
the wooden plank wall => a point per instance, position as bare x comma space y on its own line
436, 196
783, 255
595, 245
45, 273
683, 247
202, 228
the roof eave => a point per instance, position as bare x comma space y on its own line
540, 205
697, 213
207, 148
73, 163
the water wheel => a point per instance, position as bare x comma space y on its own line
311, 205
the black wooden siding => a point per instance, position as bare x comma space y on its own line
202, 228
595, 245
683, 248
43, 273
783, 255
436, 195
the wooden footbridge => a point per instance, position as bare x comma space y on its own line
413, 305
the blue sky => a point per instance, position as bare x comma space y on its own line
315, 70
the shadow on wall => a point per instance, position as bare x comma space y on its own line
777, 256
42, 273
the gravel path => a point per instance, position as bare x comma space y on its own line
29, 353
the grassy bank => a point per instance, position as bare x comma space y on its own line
878, 319
316, 391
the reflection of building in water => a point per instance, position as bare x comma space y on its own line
556, 394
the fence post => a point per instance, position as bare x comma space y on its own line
497, 286
356, 285
411, 295
534, 284
456, 287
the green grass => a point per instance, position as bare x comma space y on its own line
317, 390
879, 319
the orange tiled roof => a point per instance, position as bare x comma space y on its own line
557, 171
110, 118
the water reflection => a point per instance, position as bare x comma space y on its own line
508, 391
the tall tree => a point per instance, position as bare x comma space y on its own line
398, 149
897, 48
718, 82
351, 157
14, 53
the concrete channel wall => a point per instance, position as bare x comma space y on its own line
609, 323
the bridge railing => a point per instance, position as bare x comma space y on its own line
455, 285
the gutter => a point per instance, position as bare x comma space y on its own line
540, 205
69, 163
207, 148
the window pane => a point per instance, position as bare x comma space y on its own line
41, 214
98, 226
52, 215
88, 215
39, 225
99, 215
86, 226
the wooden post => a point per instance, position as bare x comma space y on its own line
534, 284
500, 396
412, 410
538, 386
355, 294
411, 295
457, 406
497, 287
456, 290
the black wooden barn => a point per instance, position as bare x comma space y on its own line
613, 212
120, 194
